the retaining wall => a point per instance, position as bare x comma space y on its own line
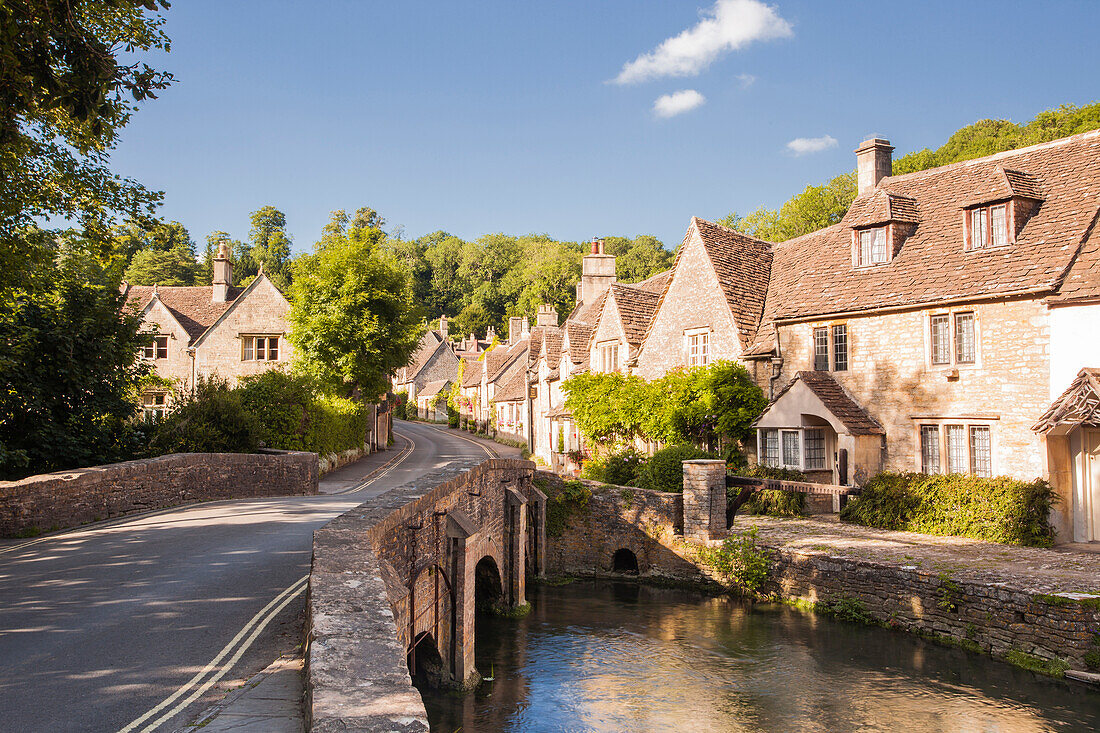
70, 498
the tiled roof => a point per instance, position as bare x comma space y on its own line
431, 389
836, 400
1078, 405
501, 358
655, 283
1083, 278
471, 375
636, 308
882, 207
812, 275
514, 387
430, 342
192, 306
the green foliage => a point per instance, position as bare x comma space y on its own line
1092, 657
352, 315
211, 420
776, 503
759, 470
157, 252
949, 593
1050, 667
411, 410
664, 471
997, 509
572, 497
846, 609
742, 560
639, 258
701, 404
293, 414
619, 469
821, 206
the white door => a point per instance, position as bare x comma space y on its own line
1091, 484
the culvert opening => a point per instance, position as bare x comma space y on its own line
425, 663
488, 591
625, 562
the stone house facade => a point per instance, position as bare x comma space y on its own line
205, 331
433, 360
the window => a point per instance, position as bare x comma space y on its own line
981, 461
698, 349
956, 448
154, 405
840, 347
157, 348
821, 349
791, 446
930, 448
609, 358
260, 348
771, 448
941, 340
815, 448
988, 227
871, 247
964, 338
954, 338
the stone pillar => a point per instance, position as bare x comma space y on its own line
515, 523
704, 499
537, 551
462, 538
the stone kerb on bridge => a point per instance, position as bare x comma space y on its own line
395, 582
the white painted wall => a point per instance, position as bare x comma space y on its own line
1074, 344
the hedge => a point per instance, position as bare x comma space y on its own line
776, 503
998, 509
664, 471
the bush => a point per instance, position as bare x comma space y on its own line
452, 417
664, 470
779, 474
618, 469
212, 420
741, 560
410, 410
292, 415
776, 503
997, 509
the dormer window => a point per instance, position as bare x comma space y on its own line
871, 247
988, 226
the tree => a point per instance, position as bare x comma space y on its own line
352, 315
269, 246
157, 252
639, 258
156, 267
64, 96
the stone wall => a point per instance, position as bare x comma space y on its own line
70, 498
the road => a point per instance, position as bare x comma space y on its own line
101, 627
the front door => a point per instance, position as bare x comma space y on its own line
1091, 485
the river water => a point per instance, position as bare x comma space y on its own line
615, 656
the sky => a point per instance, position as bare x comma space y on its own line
573, 119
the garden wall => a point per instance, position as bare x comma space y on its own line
69, 498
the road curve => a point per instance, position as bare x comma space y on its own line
100, 626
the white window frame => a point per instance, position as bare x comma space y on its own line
879, 252
952, 317
697, 346
608, 354
983, 215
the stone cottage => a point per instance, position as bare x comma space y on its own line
433, 360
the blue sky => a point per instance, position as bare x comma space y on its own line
488, 117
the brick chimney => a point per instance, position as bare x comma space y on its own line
597, 273
874, 162
547, 315
223, 274
443, 326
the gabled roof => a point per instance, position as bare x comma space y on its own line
654, 283
636, 308
431, 343
191, 306
431, 389
812, 275
835, 399
500, 359
513, 385
882, 207
1083, 279
1078, 405
472, 372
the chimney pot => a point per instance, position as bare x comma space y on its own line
874, 161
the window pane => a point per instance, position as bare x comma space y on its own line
149, 350
998, 214
704, 349
840, 347
878, 247
965, 352
941, 340
978, 231
273, 348
771, 448
821, 349
930, 448
162, 347
790, 448
981, 462
956, 449
865, 239
248, 353
261, 349
815, 448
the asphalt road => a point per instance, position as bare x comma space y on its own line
102, 625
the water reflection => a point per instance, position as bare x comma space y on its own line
621, 657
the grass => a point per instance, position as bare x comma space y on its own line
1050, 667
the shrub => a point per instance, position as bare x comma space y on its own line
773, 472
292, 415
664, 470
741, 560
212, 420
997, 509
573, 497
618, 469
777, 503
410, 410
452, 417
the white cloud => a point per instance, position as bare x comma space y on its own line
807, 145
747, 80
728, 26
685, 100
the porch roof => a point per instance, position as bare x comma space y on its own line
1078, 405
833, 398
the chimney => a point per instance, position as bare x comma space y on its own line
515, 325
223, 274
597, 273
443, 326
490, 334
873, 163
547, 316
525, 327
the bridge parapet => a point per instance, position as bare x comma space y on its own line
400, 574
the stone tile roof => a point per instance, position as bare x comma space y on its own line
812, 275
431, 389
837, 400
430, 343
1078, 405
881, 207
500, 359
1083, 278
192, 306
636, 308
472, 372
654, 283
514, 386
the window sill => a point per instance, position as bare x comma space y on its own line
871, 266
991, 248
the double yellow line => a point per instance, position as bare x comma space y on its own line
211, 673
